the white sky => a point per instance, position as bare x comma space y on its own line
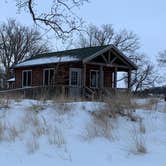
146, 18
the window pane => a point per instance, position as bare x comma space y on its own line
94, 79
74, 78
29, 78
51, 76
24, 78
45, 77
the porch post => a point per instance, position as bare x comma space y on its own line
101, 77
84, 78
115, 78
129, 79
100, 82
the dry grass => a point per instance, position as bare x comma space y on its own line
9, 132
121, 104
32, 145
139, 142
56, 138
91, 132
5, 103
142, 127
40, 131
63, 108
100, 126
37, 107
150, 104
12, 133
2, 130
140, 147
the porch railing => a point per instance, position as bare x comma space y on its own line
63, 90
44, 91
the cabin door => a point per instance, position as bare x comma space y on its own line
75, 81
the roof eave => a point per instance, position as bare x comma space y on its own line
16, 67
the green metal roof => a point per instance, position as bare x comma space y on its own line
79, 53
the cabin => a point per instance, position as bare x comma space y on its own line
79, 71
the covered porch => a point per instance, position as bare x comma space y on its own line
100, 72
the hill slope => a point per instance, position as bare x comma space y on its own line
37, 133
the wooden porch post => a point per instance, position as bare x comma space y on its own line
100, 82
101, 77
129, 79
84, 78
115, 78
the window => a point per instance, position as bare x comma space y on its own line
94, 78
26, 78
75, 77
48, 75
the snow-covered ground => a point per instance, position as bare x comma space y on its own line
34, 133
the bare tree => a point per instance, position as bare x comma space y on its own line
162, 58
126, 41
58, 15
146, 75
18, 42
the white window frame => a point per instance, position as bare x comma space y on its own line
78, 79
23, 77
48, 75
97, 78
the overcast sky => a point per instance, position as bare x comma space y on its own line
146, 18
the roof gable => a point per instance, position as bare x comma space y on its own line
118, 53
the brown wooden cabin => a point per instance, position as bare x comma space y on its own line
83, 71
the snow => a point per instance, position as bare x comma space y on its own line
47, 60
116, 150
11, 79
